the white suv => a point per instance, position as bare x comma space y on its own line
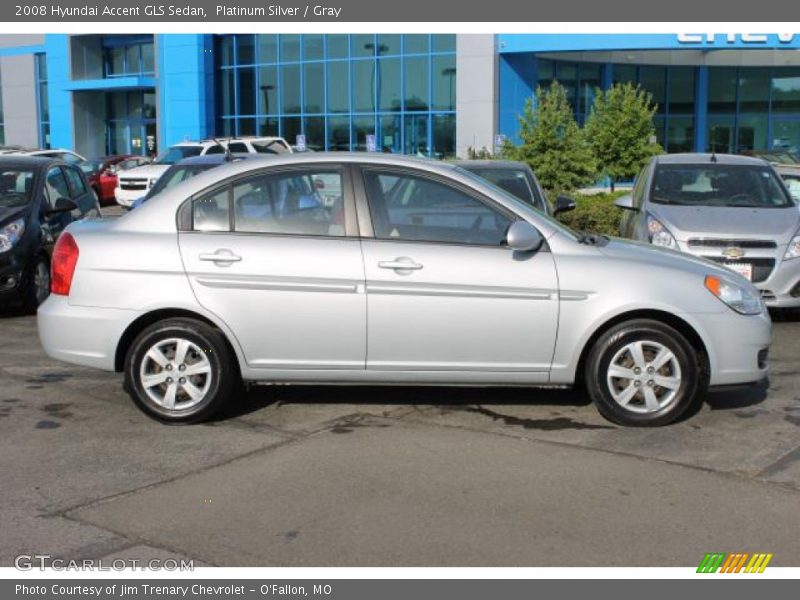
134, 183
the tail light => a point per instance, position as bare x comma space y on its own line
62, 265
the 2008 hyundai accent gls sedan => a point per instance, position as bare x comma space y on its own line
414, 272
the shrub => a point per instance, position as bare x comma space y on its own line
594, 213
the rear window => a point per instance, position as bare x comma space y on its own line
745, 186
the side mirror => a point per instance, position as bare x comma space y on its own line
62, 205
625, 202
563, 204
523, 237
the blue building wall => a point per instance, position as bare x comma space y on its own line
186, 91
60, 97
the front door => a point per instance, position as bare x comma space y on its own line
282, 267
445, 294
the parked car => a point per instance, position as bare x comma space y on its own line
39, 197
186, 169
732, 210
517, 178
791, 179
135, 183
68, 156
102, 173
777, 157
243, 273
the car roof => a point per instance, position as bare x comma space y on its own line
213, 159
696, 158
490, 164
24, 161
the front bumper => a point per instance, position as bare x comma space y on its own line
126, 198
737, 346
82, 335
13, 278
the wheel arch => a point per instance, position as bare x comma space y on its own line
154, 316
679, 324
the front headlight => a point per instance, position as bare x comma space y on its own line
793, 249
152, 182
10, 234
743, 299
658, 234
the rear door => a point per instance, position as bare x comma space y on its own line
281, 267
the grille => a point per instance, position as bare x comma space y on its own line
133, 184
762, 267
720, 243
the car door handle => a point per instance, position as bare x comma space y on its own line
223, 256
402, 263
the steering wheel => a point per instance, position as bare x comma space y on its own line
740, 198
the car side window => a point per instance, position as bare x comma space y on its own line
237, 147
215, 150
210, 211
291, 203
411, 207
76, 184
55, 186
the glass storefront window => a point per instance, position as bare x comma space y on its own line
416, 135
752, 133
589, 75
786, 91
720, 136
623, 74
363, 81
289, 47
338, 45
444, 136
416, 83
268, 126
363, 45
290, 92
654, 80
444, 82
391, 131
314, 88
388, 83
416, 43
444, 42
362, 127
338, 86
680, 134
292, 127
680, 92
267, 48
245, 49
267, 90
339, 133
722, 90
313, 47
754, 86
247, 91
391, 43
314, 129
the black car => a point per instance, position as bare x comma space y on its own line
39, 197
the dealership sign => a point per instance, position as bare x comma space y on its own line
731, 39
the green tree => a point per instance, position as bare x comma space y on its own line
552, 143
620, 129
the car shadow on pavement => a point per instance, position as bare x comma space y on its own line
11, 312
258, 397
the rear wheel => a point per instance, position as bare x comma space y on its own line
38, 283
643, 373
180, 371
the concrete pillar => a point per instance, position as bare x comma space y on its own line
19, 100
476, 92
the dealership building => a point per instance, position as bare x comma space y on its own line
434, 95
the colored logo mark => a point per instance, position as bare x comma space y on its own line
736, 562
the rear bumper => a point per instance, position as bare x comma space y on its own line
82, 335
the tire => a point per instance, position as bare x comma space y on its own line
38, 285
643, 354
174, 390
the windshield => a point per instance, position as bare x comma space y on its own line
176, 175
15, 187
177, 153
744, 186
91, 166
793, 185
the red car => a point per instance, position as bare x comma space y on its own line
102, 173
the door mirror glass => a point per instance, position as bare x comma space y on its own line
523, 237
563, 204
625, 202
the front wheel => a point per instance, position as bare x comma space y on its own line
643, 373
38, 284
180, 371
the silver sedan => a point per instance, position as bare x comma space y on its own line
415, 272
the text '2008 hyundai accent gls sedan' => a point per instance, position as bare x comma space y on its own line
403, 271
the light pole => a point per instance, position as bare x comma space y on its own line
377, 50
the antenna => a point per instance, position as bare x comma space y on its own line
228, 157
713, 157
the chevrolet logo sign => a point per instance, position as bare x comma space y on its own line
733, 252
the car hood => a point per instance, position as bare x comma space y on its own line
9, 214
145, 171
650, 255
685, 222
